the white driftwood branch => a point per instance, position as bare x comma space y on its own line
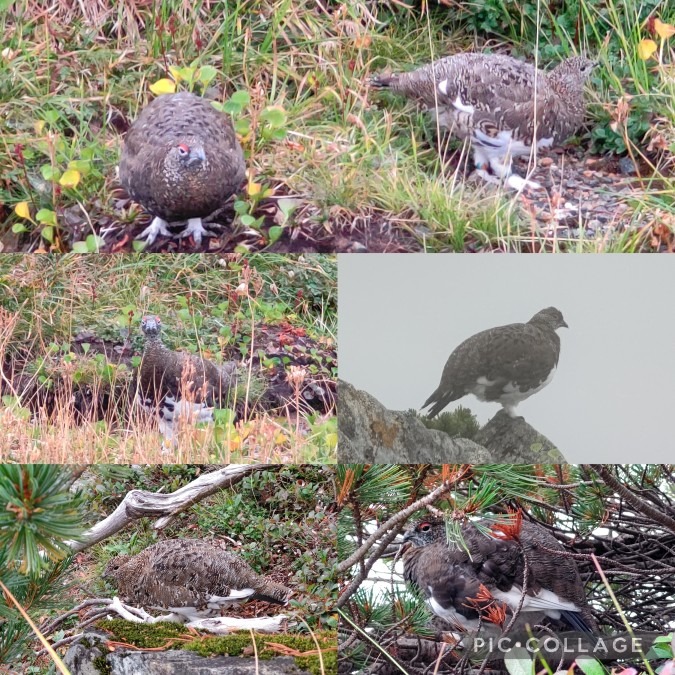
143, 504
220, 625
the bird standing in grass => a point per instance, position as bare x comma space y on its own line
181, 161
177, 385
500, 104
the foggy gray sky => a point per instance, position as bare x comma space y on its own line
613, 396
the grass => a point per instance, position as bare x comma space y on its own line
331, 166
68, 355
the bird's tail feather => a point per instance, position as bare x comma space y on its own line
577, 621
382, 81
440, 400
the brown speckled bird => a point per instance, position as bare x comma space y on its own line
452, 575
499, 103
189, 575
506, 364
174, 384
181, 160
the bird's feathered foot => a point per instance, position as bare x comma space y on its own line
157, 226
197, 230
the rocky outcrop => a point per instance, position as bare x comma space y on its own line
89, 656
369, 433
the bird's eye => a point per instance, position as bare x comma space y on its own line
425, 527
183, 150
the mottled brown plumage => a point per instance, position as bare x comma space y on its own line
174, 383
506, 364
181, 160
502, 105
189, 573
450, 575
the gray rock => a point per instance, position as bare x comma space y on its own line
180, 662
80, 657
369, 433
627, 166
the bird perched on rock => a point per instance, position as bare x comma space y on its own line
459, 581
506, 364
177, 385
181, 160
500, 104
188, 576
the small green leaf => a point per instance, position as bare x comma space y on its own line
50, 172
274, 116
206, 74
590, 666
48, 233
242, 126
81, 165
274, 233
247, 220
80, 247
52, 116
241, 97
241, 207
46, 216
17, 228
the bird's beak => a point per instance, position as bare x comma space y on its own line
563, 324
197, 156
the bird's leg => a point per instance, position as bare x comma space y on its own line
510, 409
502, 168
157, 226
235, 597
129, 613
482, 164
196, 229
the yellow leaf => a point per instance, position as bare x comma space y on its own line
39, 126
280, 438
175, 73
22, 210
254, 188
665, 30
163, 86
646, 48
70, 178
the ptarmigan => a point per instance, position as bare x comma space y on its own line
188, 576
177, 385
506, 364
181, 160
499, 103
455, 579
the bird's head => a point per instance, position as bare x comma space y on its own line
186, 156
425, 531
550, 317
570, 76
114, 565
151, 326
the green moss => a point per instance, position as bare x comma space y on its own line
234, 645
313, 665
143, 635
157, 634
101, 665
